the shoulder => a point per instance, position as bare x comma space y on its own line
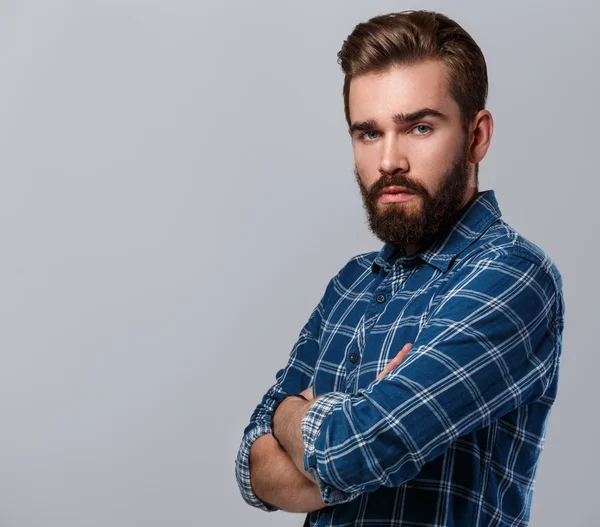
502, 245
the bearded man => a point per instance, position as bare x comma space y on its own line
450, 431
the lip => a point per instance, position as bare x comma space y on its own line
396, 198
395, 189
395, 194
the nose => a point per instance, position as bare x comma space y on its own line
393, 156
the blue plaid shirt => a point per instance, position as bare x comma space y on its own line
453, 435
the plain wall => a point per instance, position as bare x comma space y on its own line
176, 192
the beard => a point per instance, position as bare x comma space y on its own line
402, 224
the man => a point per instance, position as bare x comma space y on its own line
450, 432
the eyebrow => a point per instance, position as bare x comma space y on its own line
398, 118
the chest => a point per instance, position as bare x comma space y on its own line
369, 321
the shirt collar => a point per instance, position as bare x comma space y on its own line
478, 216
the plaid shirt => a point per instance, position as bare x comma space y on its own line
453, 435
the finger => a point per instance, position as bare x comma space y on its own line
395, 361
389, 367
406, 348
404, 351
399, 357
308, 393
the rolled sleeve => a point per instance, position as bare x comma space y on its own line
242, 469
311, 425
490, 347
295, 377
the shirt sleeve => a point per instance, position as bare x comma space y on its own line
294, 378
490, 344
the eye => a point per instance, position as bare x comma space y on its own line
421, 126
364, 136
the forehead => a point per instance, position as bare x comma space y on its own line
379, 95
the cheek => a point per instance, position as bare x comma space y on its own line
366, 157
367, 163
433, 157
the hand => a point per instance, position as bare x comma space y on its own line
308, 393
395, 361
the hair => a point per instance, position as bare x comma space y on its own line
412, 36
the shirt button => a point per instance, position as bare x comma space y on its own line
354, 357
380, 299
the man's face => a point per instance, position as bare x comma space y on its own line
425, 155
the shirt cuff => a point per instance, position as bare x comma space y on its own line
311, 426
242, 469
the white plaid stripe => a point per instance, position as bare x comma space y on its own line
461, 422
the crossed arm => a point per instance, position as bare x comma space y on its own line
277, 481
490, 345
276, 474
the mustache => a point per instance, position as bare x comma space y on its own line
399, 180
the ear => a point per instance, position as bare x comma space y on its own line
481, 130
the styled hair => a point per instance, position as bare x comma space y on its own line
412, 36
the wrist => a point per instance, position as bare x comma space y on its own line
290, 396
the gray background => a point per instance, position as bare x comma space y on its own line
176, 192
